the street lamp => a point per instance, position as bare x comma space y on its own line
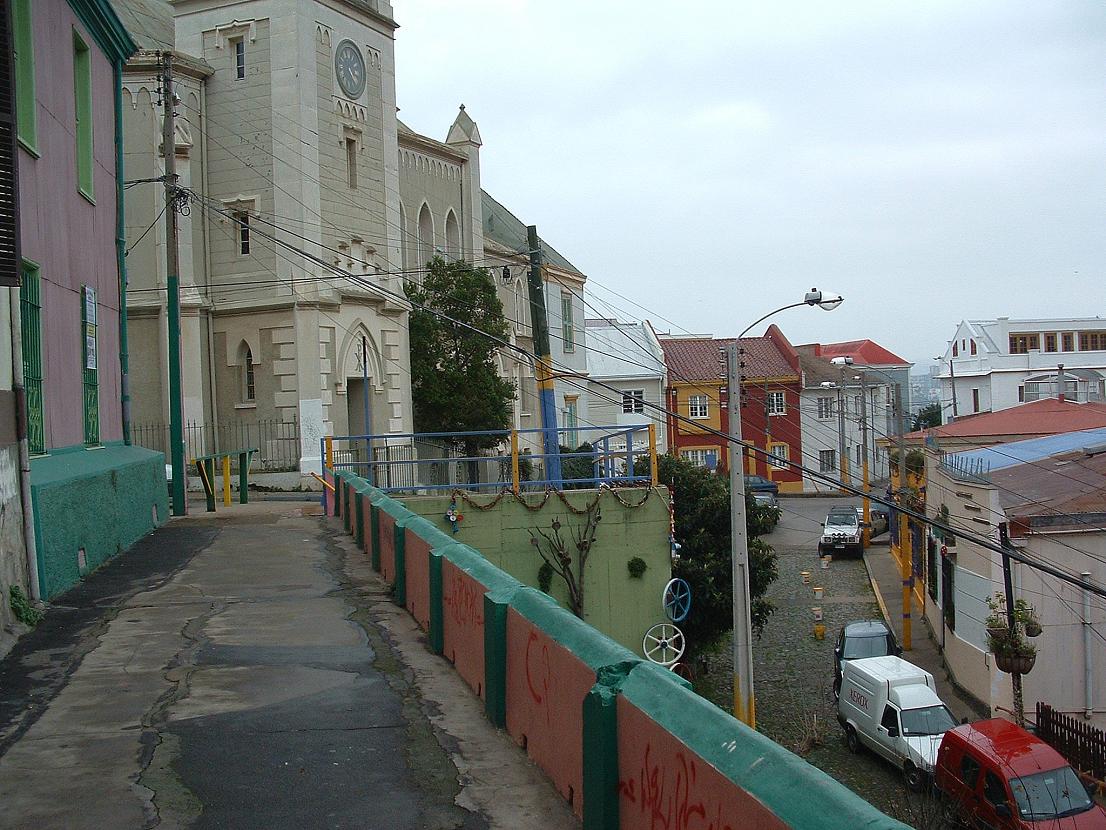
744, 701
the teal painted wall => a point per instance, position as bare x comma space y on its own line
617, 604
102, 500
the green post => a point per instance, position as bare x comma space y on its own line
437, 635
209, 474
176, 410
243, 477
337, 494
601, 758
374, 541
359, 511
399, 589
495, 658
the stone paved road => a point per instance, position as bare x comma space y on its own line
793, 672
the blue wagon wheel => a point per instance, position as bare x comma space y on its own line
677, 600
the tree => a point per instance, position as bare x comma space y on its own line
928, 417
454, 383
703, 531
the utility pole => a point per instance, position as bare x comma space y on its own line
906, 568
744, 702
172, 278
842, 457
543, 363
952, 376
866, 532
1008, 586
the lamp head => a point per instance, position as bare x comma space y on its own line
815, 297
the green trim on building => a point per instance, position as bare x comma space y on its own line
91, 375
96, 503
360, 491
495, 656
30, 308
23, 52
105, 28
600, 715
82, 99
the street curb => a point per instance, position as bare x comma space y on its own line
879, 596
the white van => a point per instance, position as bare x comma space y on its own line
891, 706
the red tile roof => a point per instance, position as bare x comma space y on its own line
863, 352
1045, 417
700, 358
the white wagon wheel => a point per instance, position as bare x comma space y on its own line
663, 644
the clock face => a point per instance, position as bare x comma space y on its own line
349, 66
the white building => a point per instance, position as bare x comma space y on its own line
629, 357
1051, 493
827, 390
990, 365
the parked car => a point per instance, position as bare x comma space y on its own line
859, 639
996, 775
891, 706
760, 484
841, 532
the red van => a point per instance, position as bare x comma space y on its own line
997, 775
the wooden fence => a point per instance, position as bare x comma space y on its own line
1082, 744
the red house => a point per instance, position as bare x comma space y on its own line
771, 382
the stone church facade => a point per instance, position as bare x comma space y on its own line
287, 132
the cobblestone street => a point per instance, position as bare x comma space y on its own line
793, 672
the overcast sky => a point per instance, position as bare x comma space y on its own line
713, 160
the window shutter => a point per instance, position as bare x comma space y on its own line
9, 190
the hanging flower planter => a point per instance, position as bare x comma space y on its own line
1032, 628
1015, 663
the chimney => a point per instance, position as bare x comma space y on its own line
1060, 382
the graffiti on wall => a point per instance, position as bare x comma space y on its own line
669, 796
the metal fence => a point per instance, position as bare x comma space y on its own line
1082, 744
277, 442
509, 459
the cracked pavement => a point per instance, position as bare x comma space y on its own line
248, 670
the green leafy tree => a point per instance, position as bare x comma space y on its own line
703, 531
928, 417
454, 383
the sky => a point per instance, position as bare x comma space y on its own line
712, 161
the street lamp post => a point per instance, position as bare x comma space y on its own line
744, 699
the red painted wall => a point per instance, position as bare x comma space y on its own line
416, 560
387, 547
463, 624
661, 783
546, 686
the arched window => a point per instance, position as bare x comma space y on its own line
452, 236
248, 389
404, 239
426, 235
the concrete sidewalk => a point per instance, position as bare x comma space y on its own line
883, 571
247, 670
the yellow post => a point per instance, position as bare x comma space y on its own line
654, 467
514, 461
226, 481
329, 441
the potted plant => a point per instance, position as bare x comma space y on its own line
1013, 653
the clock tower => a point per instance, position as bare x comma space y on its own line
300, 140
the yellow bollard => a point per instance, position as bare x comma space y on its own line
329, 452
226, 481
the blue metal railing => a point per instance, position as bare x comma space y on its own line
433, 461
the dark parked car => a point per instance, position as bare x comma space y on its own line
760, 484
862, 638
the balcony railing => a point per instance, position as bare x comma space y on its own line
496, 459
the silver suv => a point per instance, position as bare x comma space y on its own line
841, 532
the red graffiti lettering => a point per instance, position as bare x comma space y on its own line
465, 601
542, 677
669, 796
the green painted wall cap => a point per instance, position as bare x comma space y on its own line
760, 766
596, 650
497, 581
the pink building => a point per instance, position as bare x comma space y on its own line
93, 494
